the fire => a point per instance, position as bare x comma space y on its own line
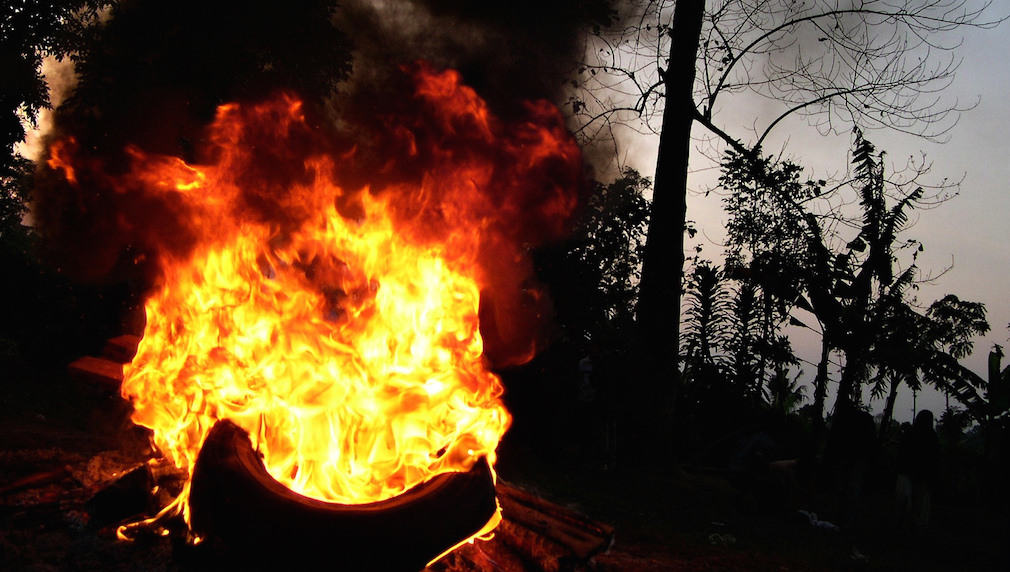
339, 326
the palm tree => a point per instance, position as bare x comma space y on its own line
784, 394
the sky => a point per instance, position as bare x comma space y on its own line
969, 233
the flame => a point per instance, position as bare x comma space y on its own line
339, 326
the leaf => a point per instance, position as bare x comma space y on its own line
859, 245
794, 322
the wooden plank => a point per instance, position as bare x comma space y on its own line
121, 349
580, 535
97, 371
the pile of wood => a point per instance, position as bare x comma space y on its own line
106, 372
535, 536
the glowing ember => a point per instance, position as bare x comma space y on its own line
338, 327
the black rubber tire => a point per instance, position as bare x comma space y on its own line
247, 517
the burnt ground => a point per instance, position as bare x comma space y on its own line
684, 518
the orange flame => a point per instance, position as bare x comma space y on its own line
340, 327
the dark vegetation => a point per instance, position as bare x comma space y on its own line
669, 404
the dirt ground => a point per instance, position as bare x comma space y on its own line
675, 519
693, 519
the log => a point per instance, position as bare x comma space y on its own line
121, 349
539, 552
578, 536
535, 535
106, 374
36, 480
249, 518
506, 559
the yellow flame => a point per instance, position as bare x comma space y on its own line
348, 350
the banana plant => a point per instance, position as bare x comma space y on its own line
856, 288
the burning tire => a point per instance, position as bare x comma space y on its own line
245, 515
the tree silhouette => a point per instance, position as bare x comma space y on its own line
30, 30
707, 327
593, 275
839, 63
923, 348
855, 286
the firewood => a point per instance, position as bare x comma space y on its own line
502, 556
121, 349
126, 497
580, 536
36, 480
543, 553
467, 558
97, 371
246, 515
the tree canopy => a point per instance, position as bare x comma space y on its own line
668, 66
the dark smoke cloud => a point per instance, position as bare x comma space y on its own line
509, 51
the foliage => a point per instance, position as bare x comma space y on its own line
594, 274
707, 325
952, 425
787, 236
784, 394
729, 333
139, 63
667, 65
29, 31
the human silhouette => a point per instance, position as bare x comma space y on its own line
851, 447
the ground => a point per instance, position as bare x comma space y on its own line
666, 517
691, 518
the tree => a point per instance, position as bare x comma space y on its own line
838, 63
149, 72
707, 327
30, 30
42, 311
784, 394
777, 245
856, 286
924, 347
593, 275
187, 57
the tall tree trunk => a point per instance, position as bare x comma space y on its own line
888, 414
658, 311
850, 385
821, 379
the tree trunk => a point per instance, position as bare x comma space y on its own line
850, 384
821, 380
658, 311
888, 414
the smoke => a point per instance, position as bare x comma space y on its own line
60, 79
508, 51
